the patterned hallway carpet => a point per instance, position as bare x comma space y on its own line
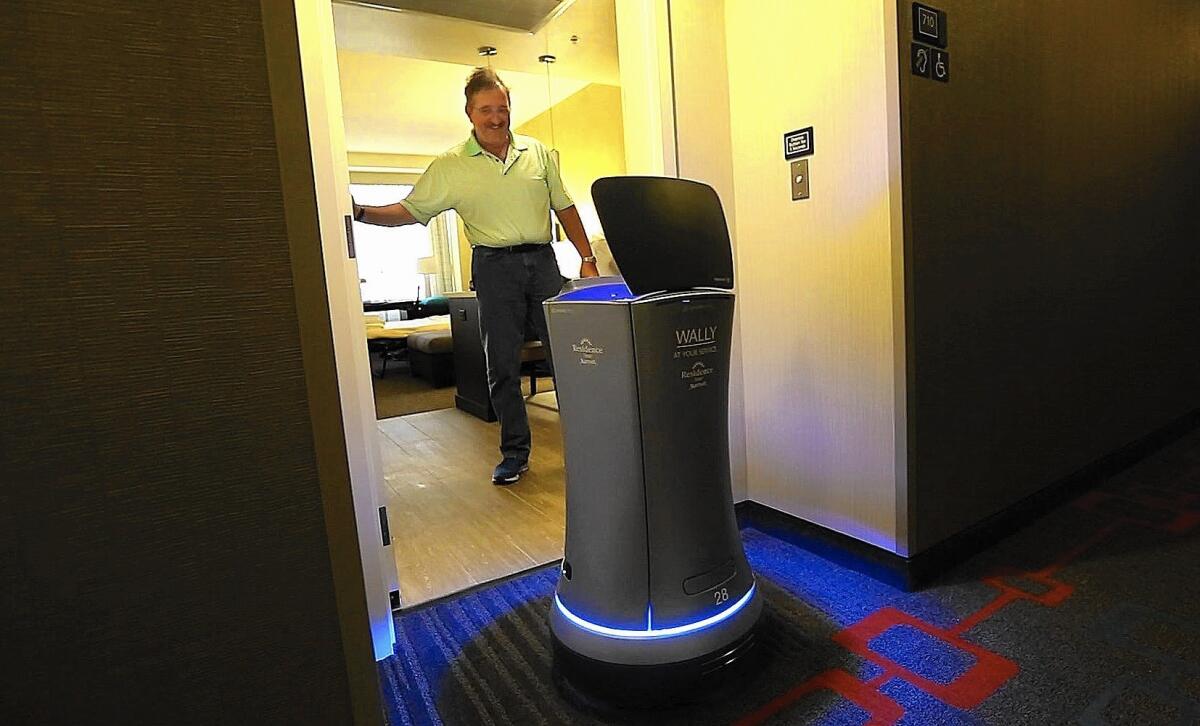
1089, 616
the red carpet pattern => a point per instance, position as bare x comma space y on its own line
1171, 507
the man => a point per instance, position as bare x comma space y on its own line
503, 186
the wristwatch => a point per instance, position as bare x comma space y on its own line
589, 258
359, 211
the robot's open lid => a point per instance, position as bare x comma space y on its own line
664, 233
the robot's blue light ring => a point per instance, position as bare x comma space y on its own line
650, 632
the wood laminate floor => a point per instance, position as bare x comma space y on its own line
451, 527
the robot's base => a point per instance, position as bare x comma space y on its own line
602, 686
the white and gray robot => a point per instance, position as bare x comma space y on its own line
655, 596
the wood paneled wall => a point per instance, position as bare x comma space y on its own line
163, 545
1051, 195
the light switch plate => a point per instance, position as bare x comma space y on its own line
800, 179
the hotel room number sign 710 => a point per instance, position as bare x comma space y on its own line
929, 29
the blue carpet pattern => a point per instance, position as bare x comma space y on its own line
1089, 616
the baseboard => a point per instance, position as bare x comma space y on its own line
930, 563
841, 549
920, 570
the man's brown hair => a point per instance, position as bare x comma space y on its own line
484, 79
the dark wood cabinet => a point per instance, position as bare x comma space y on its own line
470, 366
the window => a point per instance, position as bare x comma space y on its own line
387, 256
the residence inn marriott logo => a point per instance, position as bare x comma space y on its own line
588, 350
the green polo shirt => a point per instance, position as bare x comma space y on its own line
502, 203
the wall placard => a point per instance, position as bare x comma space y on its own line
929, 25
798, 143
940, 70
921, 60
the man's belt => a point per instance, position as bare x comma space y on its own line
531, 247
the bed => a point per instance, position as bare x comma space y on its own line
377, 329
390, 338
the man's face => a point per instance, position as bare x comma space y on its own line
488, 111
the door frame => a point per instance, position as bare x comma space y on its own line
306, 102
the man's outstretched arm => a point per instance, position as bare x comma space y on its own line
391, 215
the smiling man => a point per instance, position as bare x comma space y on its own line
503, 186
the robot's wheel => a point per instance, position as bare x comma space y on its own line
601, 686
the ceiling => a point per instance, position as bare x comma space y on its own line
402, 73
524, 15
394, 105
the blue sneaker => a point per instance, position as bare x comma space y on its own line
509, 470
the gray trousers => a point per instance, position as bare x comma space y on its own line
510, 288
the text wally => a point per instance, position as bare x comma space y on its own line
696, 336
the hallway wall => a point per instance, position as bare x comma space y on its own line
165, 539
1051, 195
819, 278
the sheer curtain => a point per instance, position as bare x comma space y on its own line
443, 234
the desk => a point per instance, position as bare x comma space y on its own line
470, 363
407, 308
